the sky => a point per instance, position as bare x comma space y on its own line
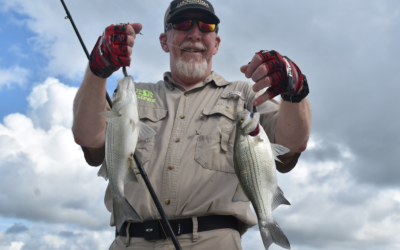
345, 189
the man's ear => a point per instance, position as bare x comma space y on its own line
217, 42
163, 40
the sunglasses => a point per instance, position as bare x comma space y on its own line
184, 23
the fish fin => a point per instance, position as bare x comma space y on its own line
103, 170
278, 199
131, 176
278, 150
110, 114
272, 233
123, 211
240, 195
145, 131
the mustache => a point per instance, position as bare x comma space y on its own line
193, 45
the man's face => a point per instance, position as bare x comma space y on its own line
193, 62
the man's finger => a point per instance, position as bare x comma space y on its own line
261, 99
255, 62
130, 31
263, 83
244, 68
260, 73
131, 41
137, 27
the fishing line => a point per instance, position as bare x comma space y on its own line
124, 13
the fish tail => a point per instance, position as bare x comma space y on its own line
123, 211
272, 233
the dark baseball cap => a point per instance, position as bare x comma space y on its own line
177, 6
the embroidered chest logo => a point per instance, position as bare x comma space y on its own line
145, 95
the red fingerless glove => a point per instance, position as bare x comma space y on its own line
286, 77
110, 52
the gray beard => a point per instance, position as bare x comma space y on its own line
191, 68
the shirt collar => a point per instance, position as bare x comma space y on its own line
212, 78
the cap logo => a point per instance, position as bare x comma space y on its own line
184, 2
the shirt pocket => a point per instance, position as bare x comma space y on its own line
154, 118
210, 153
214, 147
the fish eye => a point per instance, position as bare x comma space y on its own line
241, 120
116, 90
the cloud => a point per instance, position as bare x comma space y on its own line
69, 234
17, 228
51, 104
62, 195
44, 236
58, 186
14, 75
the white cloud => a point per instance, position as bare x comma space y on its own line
54, 242
44, 165
63, 237
51, 104
14, 75
16, 245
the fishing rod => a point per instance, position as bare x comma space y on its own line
138, 163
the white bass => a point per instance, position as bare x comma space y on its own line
254, 158
123, 130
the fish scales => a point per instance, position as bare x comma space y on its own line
253, 177
118, 156
254, 158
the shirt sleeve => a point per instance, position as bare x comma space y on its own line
269, 111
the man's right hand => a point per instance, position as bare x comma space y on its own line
113, 49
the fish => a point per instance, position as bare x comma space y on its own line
122, 133
254, 163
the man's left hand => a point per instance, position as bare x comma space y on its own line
270, 69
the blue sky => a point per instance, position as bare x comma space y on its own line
344, 192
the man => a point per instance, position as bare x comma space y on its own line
190, 160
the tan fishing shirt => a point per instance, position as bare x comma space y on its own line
190, 160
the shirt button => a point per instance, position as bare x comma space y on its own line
167, 201
177, 140
182, 117
171, 167
186, 95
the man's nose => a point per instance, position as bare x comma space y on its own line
194, 33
